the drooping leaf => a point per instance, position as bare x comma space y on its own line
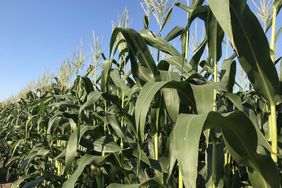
159, 43
222, 14
171, 97
105, 74
119, 82
214, 36
85, 160
183, 67
203, 95
105, 144
137, 46
197, 56
175, 32
198, 96
241, 140
236, 100
115, 125
228, 73
245, 31
184, 7
91, 99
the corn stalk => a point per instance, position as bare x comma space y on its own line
273, 118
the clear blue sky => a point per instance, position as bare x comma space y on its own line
36, 35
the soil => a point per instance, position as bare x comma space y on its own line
5, 185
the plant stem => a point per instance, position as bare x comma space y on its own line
273, 129
272, 41
58, 165
156, 145
214, 161
180, 178
123, 98
213, 133
272, 118
156, 137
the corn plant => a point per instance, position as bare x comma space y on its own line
147, 121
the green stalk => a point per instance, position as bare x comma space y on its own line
180, 179
214, 161
272, 118
156, 146
273, 129
272, 41
122, 118
58, 165
122, 99
213, 133
156, 137
105, 125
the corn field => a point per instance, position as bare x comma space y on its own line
155, 115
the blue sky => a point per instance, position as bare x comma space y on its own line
35, 36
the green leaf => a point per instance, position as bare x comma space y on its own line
137, 46
228, 73
35, 182
53, 122
92, 98
183, 67
199, 12
197, 56
184, 145
72, 144
236, 100
119, 82
175, 32
143, 103
277, 4
81, 164
146, 22
111, 117
145, 74
147, 183
118, 185
241, 140
278, 33
199, 96
222, 14
106, 144
107, 64
245, 31
171, 97
167, 17
214, 36
203, 95
184, 7
159, 43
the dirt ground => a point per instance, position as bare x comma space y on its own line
6, 185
